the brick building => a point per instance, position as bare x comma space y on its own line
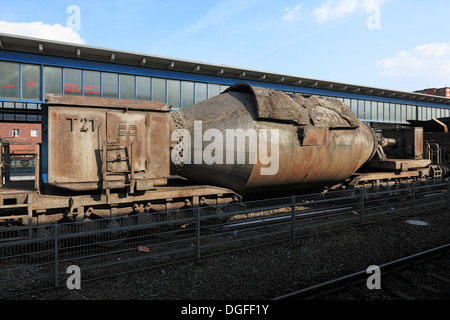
441, 92
23, 137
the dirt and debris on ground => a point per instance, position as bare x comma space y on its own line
269, 271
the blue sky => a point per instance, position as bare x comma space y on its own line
392, 44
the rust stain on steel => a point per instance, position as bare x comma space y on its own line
110, 103
312, 136
325, 148
418, 142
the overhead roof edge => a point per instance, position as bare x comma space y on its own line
81, 51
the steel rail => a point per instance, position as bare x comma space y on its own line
338, 283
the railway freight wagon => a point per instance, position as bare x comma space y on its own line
271, 141
104, 158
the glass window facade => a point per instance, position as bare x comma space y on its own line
31, 82
53, 80
72, 82
126, 86
91, 83
354, 106
361, 109
201, 92
20, 111
376, 111
187, 93
9, 82
173, 93
110, 85
213, 90
23, 83
159, 90
143, 88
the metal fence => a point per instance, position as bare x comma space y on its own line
21, 167
38, 258
16, 168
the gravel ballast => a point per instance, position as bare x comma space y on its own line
269, 271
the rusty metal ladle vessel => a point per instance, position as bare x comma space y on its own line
311, 141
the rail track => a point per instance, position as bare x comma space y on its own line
422, 276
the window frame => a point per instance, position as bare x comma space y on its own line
15, 133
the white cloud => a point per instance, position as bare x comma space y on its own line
42, 31
292, 14
333, 10
436, 50
429, 62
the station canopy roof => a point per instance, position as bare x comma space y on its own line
70, 50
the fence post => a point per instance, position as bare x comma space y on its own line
448, 193
413, 197
361, 216
55, 241
293, 215
198, 232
